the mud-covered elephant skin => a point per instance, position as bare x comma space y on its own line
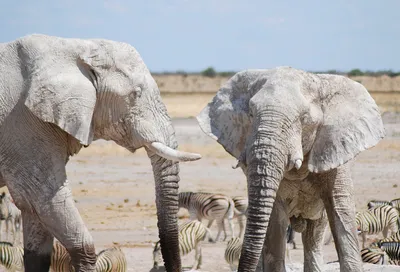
57, 95
294, 133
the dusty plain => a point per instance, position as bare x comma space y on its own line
114, 189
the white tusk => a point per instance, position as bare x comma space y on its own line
297, 164
171, 154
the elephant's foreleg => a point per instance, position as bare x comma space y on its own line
62, 218
339, 203
273, 254
38, 244
312, 238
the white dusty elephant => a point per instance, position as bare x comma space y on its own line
57, 95
293, 133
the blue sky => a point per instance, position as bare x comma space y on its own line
226, 34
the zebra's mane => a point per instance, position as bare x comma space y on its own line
6, 243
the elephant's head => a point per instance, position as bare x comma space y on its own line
100, 89
280, 120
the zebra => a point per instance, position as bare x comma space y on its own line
375, 203
209, 206
11, 257
392, 249
241, 204
378, 219
111, 260
60, 259
395, 203
232, 252
191, 234
374, 255
11, 214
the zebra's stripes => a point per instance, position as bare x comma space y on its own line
395, 203
191, 234
60, 259
213, 207
374, 255
11, 257
232, 252
111, 260
11, 214
392, 249
241, 204
378, 219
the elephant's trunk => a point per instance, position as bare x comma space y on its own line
166, 180
265, 166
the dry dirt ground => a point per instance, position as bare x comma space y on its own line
115, 194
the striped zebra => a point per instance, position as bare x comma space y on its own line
376, 220
374, 255
395, 203
211, 207
241, 204
232, 252
60, 259
376, 203
11, 214
191, 234
11, 257
111, 260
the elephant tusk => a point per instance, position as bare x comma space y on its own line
171, 154
297, 164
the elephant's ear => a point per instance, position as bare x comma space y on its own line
352, 123
226, 117
61, 91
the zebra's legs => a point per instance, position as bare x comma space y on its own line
38, 244
312, 238
210, 239
221, 226
197, 257
232, 227
240, 220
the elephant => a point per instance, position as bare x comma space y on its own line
60, 94
294, 135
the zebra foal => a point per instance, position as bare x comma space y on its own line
191, 234
376, 220
213, 207
232, 252
11, 214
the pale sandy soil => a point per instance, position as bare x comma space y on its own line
115, 194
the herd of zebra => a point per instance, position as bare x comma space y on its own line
11, 255
381, 216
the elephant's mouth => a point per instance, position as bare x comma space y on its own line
171, 154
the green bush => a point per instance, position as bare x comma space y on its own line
209, 72
356, 72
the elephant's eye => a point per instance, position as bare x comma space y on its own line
137, 91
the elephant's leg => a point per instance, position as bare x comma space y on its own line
38, 244
338, 197
63, 220
273, 254
312, 238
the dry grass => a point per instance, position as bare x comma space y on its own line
190, 104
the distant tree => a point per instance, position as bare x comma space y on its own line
227, 73
181, 72
209, 72
355, 72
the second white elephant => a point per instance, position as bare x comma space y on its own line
293, 133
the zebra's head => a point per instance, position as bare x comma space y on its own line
157, 257
3, 206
